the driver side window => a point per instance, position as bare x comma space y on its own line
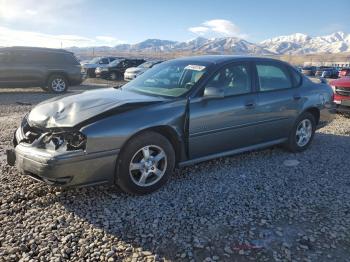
233, 79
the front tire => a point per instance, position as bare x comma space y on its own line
57, 84
115, 76
145, 163
302, 133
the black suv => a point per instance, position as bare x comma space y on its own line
51, 69
115, 70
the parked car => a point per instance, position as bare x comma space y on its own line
309, 70
51, 69
344, 72
178, 113
132, 72
341, 89
327, 72
89, 68
116, 69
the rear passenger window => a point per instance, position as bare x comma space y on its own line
234, 79
71, 59
273, 77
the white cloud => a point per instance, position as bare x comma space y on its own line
217, 27
38, 12
200, 30
11, 37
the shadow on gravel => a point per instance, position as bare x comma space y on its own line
220, 202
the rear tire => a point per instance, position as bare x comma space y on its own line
57, 84
302, 133
91, 72
145, 163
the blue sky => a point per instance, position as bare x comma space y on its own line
109, 22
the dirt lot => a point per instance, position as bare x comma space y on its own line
265, 205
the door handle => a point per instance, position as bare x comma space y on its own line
297, 97
250, 105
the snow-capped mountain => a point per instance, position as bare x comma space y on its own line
232, 45
223, 45
304, 44
290, 44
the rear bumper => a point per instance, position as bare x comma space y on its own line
343, 102
76, 168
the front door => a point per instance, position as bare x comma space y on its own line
224, 123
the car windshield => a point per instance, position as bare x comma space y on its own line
170, 79
95, 60
115, 62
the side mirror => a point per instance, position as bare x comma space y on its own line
213, 92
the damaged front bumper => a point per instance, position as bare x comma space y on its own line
63, 168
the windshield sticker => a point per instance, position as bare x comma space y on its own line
195, 67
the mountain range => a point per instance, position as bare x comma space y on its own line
291, 44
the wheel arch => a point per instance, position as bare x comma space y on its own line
168, 132
62, 73
315, 112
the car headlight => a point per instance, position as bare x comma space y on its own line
70, 140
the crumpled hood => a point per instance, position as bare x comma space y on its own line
70, 110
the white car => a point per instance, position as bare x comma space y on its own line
133, 72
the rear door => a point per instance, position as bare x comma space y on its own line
222, 124
28, 67
279, 99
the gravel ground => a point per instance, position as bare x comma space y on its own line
265, 205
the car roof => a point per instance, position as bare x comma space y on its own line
220, 59
37, 49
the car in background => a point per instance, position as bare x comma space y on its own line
327, 72
344, 72
341, 88
132, 72
88, 68
51, 69
115, 70
178, 113
309, 70
299, 68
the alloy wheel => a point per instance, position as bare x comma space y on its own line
58, 85
303, 132
148, 165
